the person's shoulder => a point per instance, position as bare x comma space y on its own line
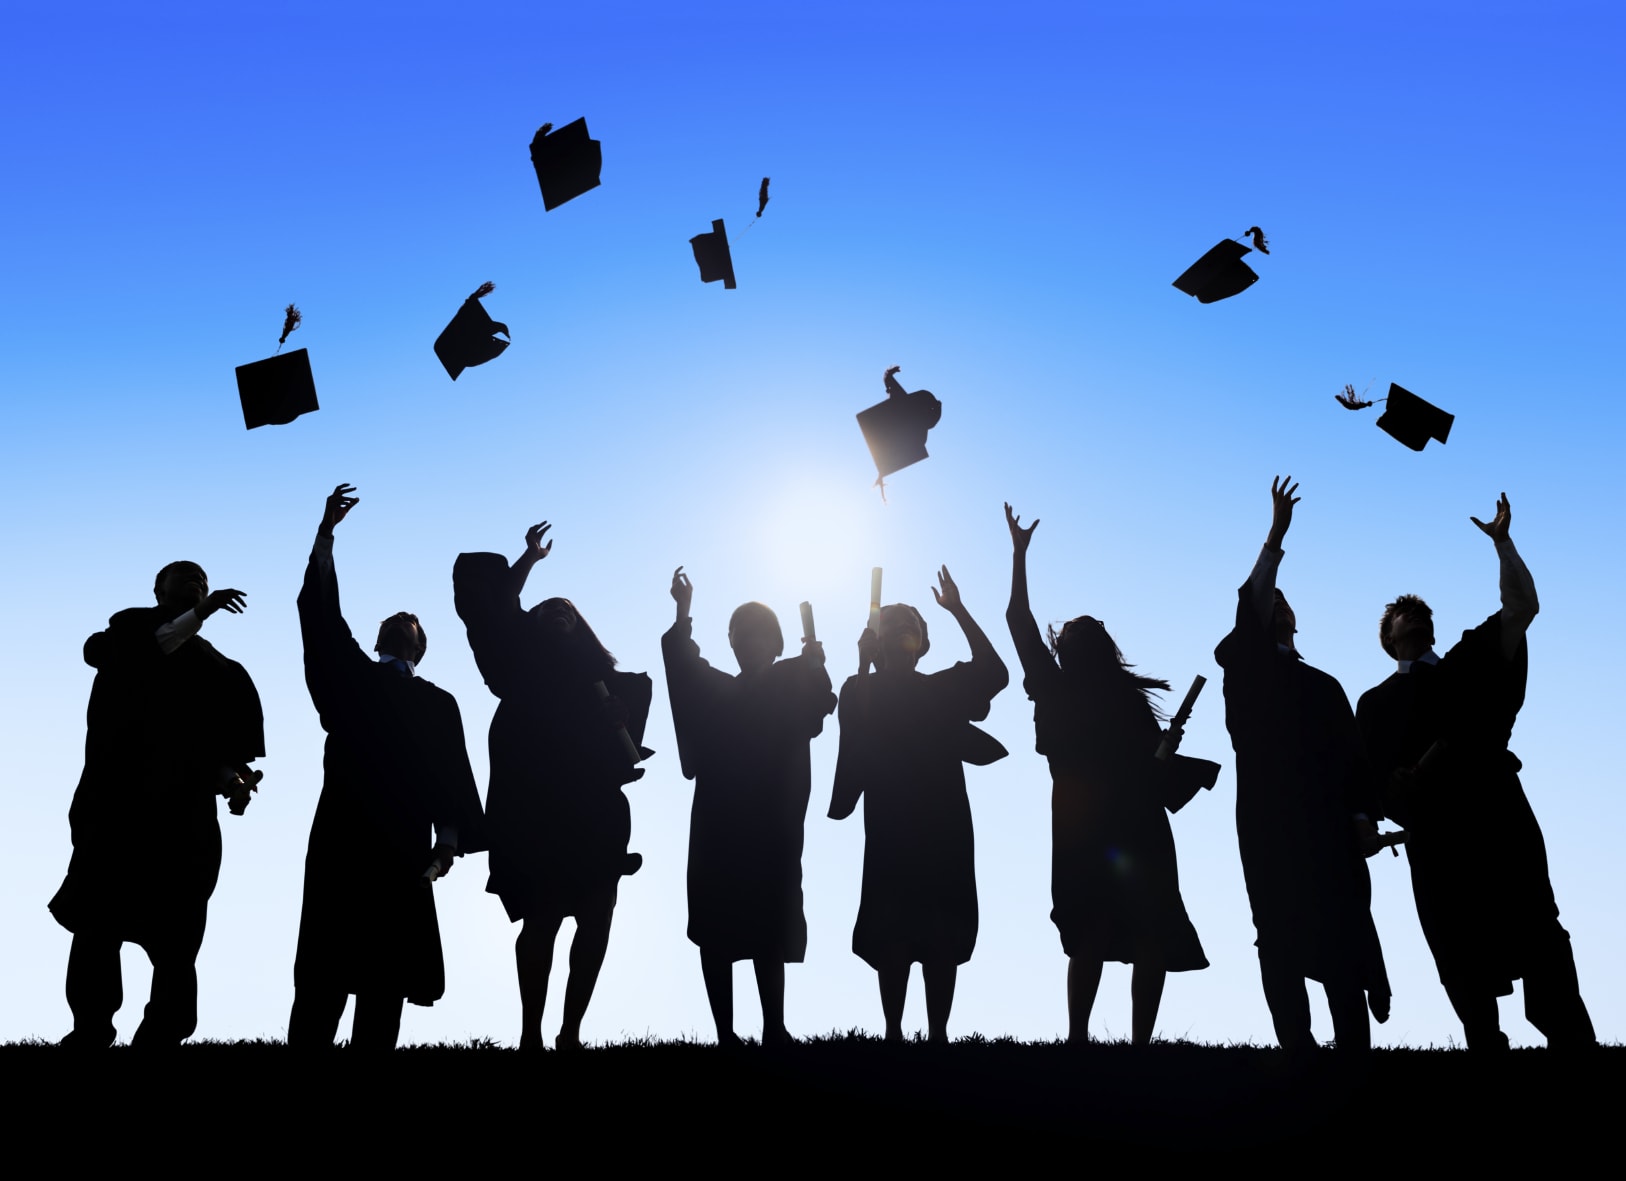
1382, 689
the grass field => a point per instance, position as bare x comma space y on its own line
635, 1104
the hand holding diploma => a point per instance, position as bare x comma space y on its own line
619, 717
1177, 724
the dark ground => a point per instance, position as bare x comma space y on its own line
672, 1105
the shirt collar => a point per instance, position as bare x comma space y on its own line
406, 666
1429, 657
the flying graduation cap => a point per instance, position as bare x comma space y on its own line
280, 388
471, 338
567, 162
1221, 273
1406, 417
895, 429
711, 252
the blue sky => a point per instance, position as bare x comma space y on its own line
995, 198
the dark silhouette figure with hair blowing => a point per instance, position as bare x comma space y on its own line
744, 742
1114, 881
558, 821
1478, 860
172, 724
397, 797
904, 737
1306, 812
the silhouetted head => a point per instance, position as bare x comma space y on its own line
754, 634
181, 585
559, 616
1283, 622
1407, 628
402, 636
904, 638
1087, 652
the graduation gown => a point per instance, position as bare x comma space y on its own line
1301, 776
1478, 860
558, 821
159, 730
395, 767
744, 742
904, 738
1114, 880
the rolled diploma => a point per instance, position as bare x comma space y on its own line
807, 623
875, 600
627, 744
1182, 715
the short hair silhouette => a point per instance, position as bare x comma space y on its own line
1404, 605
403, 617
158, 579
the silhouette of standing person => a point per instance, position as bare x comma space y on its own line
557, 820
1306, 810
744, 741
397, 797
1478, 860
172, 724
1114, 881
904, 737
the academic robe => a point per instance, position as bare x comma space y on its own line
744, 741
1301, 776
1114, 880
159, 730
1478, 860
904, 738
395, 767
558, 821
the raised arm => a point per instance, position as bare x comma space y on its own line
1262, 581
992, 674
535, 551
1519, 602
1030, 646
326, 636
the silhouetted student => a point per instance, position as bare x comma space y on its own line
744, 742
1114, 881
172, 724
557, 820
398, 797
1306, 809
1478, 861
904, 736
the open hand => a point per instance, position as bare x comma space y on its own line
338, 506
682, 592
1498, 527
534, 549
1282, 501
949, 597
225, 599
1020, 537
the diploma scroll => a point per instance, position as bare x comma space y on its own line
1167, 747
808, 635
875, 600
627, 744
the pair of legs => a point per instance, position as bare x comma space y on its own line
939, 977
1145, 994
95, 986
533, 957
314, 1022
719, 975
1552, 1003
1289, 1003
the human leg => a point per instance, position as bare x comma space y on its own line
771, 990
894, 981
533, 959
587, 950
171, 1015
377, 1023
1288, 1000
1351, 1025
1083, 980
1145, 995
1481, 1020
939, 978
718, 973
313, 1023
1552, 994
95, 988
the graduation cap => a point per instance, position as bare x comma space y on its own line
470, 339
711, 252
280, 388
567, 162
1221, 273
1406, 417
895, 429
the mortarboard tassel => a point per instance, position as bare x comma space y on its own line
1258, 236
291, 320
484, 290
1349, 401
762, 197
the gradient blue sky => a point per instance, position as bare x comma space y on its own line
995, 198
